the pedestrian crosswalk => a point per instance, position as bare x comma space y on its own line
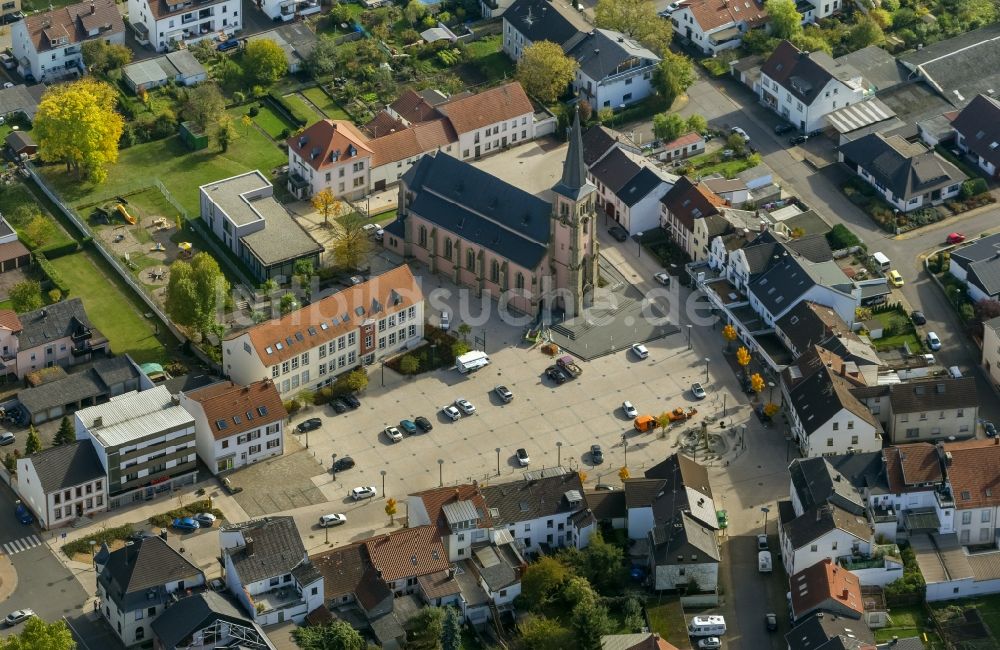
23, 544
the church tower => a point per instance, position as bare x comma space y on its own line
573, 245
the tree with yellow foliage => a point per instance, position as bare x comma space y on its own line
77, 124
729, 333
390, 509
326, 203
743, 357
756, 382
623, 473
770, 409
583, 476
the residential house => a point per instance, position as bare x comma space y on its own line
977, 265
136, 584
205, 621
48, 45
62, 484
236, 425
826, 531
491, 120
809, 324
9, 8
804, 87
21, 99
402, 556
178, 67
175, 24
14, 254
684, 551
104, 378
350, 578
943, 408
908, 176
676, 484
977, 133
629, 189
59, 334
614, 70
822, 632
460, 516
733, 191
991, 349
296, 39
686, 202
19, 143
288, 10
498, 239
971, 467
329, 154
267, 569
825, 418
813, 10
716, 25
145, 442
918, 491
243, 214
310, 347
687, 145
528, 21
825, 587
637, 641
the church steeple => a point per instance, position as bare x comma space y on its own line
573, 184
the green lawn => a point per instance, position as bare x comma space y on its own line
272, 122
326, 103
667, 619
384, 217
17, 194
110, 307
179, 169
904, 334
988, 606
303, 108
487, 56
907, 622
713, 163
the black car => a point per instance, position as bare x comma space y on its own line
309, 425
343, 463
596, 455
351, 401
556, 374
619, 233
338, 406
797, 139
771, 621
783, 128
990, 428
423, 423
918, 318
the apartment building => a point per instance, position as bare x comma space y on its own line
62, 484
171, 24
59, 334
145, 442
288, 10
48, 45
310, 347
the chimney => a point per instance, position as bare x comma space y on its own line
843, 370
846, 594
249, 546
98, 422
93, 8
129, 553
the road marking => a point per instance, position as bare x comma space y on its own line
22, 544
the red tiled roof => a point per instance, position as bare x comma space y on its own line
688, 201
73, 22
316, 144
304, 329
436, 498
825, 582
413, 108
383, 124
488, 107
438, 584
712, 14
684, 140
9, 320
908, 467
407, 553
975, 472
238, 406
414, 141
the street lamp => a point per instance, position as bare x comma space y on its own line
559, 453
333, 465
92, 544
689, 337
706, 369
498, 460
765, 510
625, 445
440, 474
382, 472
770, 392
638, 239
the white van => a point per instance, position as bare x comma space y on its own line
471, 361
954, 372
882, 262
707, 626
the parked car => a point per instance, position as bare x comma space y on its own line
352, 401
709, 643
343, 463
618, 233
408, 426
309, 425
451, 412
663, 278
445, 321
186, 524
226, 46
762, 542
596, 455
23, 514
556, 374
7, 438
504, 394
331, 520
918, 318
204, 519
955, 238
423, 423
895, 278
605, 487
392, 433
990, 429
629, 409
338, 406
783, 128
771, 622
697, 391
933, 342
18, 616
465, 406
797, 139
639, 350
522, 457
363, 492
740, 132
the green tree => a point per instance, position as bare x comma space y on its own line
542, 582
39, 635
451, 635
264, 62
414, 12
578, 589
424, 629
356, 380
697, 123
975, 13
409, 365
204, 105
351, 244
632, 614
590, 621
736, 142
864, 33
602, 564
101, 56
338, 635
674, 75
786, 21
637, 18
458, 348
66, 434
464, 329
322, 61
541, 633
545, 71
196, 291
76, 124
225, 133
669, 126
33, 444
181, 301
39, 230
26, 296
287, 304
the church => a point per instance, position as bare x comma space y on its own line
487, 235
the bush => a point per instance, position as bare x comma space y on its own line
191, 509
278, 103
50, 272
55, 251
840, 237
103, 536
254, 111
293, 406
973, 187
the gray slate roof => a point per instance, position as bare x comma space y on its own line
821, 395
477, 206
986, 276
962, 66
277, 550
938, 395
980, 249
53, 322
540, 20
187, 616
816, 522
602, 53
598, 140
907, 170
817, 481
878, 67
136, 575
21, 99
979, 124
684, 537
640, 186
802, 74
615, 170
92, 382
827, 632
66, 466
531, 499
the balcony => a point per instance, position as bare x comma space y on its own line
944, 498
277, 598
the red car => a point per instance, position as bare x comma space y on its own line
955, 238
